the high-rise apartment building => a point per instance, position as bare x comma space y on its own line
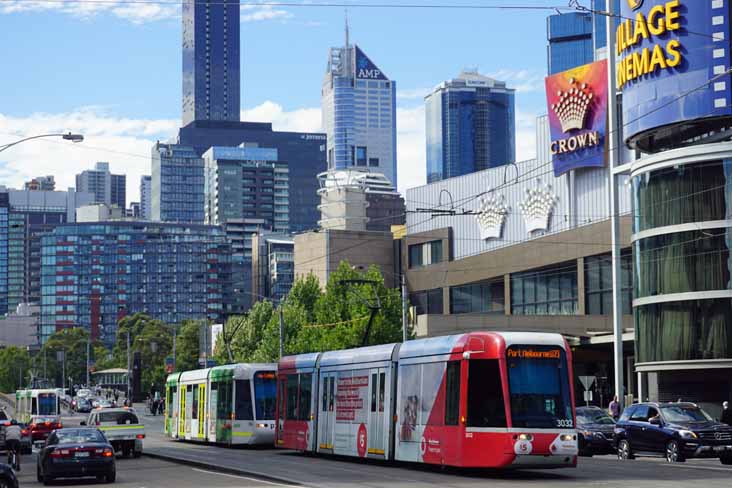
146, 197
42, 183
176, 184
98, 272
570, 41
359, 113
4, 214
210, 60
470, 126
273, 266
107, 188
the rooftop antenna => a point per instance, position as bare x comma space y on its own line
348, 37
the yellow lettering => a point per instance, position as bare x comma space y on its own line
657, 26
672, 15
629, 74
657, 59
673, 51
641, 28
641, 62
628, 32
619, 47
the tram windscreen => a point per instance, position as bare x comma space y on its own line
538, 385
47, 404
265, 394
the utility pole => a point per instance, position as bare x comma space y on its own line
614, 137
282, 332
205, 344
175, 337
63, 369
127, 395
88, 348
404, 307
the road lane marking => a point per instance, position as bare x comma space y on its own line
246, 478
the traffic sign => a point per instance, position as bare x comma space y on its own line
587, 381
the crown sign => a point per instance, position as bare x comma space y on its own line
537, 207
491, 216
573, 106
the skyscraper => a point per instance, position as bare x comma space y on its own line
570, 41
470, 126
359, 113
210, 60
146, 197
107, 188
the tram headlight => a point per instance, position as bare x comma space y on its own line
261, 426
525, 437
568, 437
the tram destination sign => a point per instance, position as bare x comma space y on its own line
530, 353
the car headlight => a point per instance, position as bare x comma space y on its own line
599, 434
587, 433
687, 434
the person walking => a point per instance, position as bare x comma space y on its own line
614, 408
726, 414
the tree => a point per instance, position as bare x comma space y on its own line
72, 342
188, 345
14, 368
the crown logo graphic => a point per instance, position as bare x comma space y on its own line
491, 216
537, 207
573, 106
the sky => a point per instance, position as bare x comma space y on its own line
111, 70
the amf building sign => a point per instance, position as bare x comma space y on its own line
577, 102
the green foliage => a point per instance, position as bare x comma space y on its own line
315, 319
14, 368
73, 344
187, 345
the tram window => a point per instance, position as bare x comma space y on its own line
382, 379
452, 393
265, 395
485, 394
243, 404
194, 404
171, 393
306, 382
291, 397
331, 400
34, 406
325, 395
223, 401
373, 391
281, 396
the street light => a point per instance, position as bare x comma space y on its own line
68, 137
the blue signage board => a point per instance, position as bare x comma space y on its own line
366, 69
243, 153
672, 57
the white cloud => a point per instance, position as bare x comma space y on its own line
411, 150
522, 80
525, 135
413, 93
137, 13
299, 120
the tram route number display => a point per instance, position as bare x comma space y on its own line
351, 398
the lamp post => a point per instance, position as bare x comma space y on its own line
68, 137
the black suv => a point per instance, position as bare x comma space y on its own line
595, 429
676, 431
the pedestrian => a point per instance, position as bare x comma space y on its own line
614, 408
726, 414
12, 442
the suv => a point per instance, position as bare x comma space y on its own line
595, 431
676, 431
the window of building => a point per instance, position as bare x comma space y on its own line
599, 284
373, 162
427, 302
361, 156
550, 291
485, 297
425, 254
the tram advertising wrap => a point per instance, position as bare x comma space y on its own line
668, 54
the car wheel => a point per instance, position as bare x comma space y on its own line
727, 460
111, 476
624, 451
673, 453
4, 483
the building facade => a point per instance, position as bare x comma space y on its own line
273, 266
176, 184
358, 105
570, 39
4, 241
211, 60
470, 126
94, 274
146, 197
43, 183
107, 188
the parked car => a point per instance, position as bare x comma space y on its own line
83, 405
676, 431
26, 440
41, 426
76, 453
7, 477
595, 431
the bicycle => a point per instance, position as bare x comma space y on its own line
14, 455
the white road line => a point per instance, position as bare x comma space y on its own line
245, 478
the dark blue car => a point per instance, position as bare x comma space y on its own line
7, 477
676, 431
595, 431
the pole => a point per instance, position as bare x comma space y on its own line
127, 394
404, 307
175, 337
282, 333
63, 370
205, 344
88, 348
613, 151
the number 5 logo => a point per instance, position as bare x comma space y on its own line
361, 439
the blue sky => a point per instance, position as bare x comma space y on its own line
112, 70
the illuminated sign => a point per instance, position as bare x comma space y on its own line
668, 55
577, 100
529, 353
366, 69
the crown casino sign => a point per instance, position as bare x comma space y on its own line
672, 62
577, 101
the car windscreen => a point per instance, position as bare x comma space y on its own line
265, 393
538, 385
593, 417
43, 420
119, 418
684, 413
3, 415
47, 404
79, 436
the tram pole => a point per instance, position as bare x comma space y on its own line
404, 307
282, 332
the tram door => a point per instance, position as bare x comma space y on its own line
189, 410
377, 390
213, 397
182, 412
327, 417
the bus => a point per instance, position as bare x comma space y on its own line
230, 405
36, 402
480, 399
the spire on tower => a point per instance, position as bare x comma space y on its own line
348, 40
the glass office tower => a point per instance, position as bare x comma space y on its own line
4, 212
470, 126
210, 60
570, 41
176, 184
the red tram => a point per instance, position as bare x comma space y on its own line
483, 399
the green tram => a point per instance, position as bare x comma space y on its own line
231, 404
